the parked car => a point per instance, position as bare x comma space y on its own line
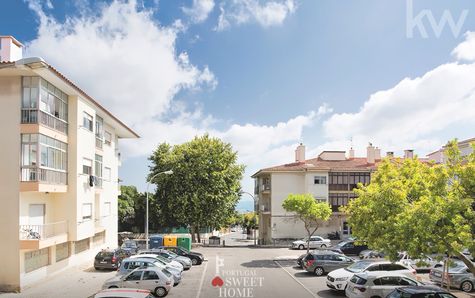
185, 261
133, 263
459, 276
349, 248
195, 257
300, 259
165, 261
371, 254
337, 279
123, 293
176, 269
377, 284
109, 258
155, 279
424, 263
420, 292
130, 246
321, 262
315, 242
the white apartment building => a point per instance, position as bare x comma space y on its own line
465, 148
330, 177
59, 170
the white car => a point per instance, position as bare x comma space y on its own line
155, 279
315, 242
337, 279
168, 263
426, 263
377, 284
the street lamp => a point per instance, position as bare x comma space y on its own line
255, 211
169, 172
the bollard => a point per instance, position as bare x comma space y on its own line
224, 243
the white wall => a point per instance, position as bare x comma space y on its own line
319, 191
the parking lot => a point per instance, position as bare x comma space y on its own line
245, 272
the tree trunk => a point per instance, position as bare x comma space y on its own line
192, 232
466, 261
198, 234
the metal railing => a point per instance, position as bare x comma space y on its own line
44, 175
31, 116
265, 187
41, 232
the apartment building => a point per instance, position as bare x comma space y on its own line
465, 148
330, 177
59, 170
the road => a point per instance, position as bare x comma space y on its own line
245, 271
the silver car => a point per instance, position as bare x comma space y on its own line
155, 279
130, 264
459, 276
185, 261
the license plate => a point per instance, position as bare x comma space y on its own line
437, 274
103, 262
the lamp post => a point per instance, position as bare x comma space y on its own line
255, 211
169, 172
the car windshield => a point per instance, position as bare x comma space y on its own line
184, 250
341, 244
166, 272
357, 267
163, 260
171, 253
129, 245
105, 254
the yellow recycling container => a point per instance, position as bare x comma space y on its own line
169, 240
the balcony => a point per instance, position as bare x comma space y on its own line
43, 180
264, 208
265, 188
30, 116
41, 236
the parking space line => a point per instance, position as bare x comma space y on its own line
202, 279
294, 278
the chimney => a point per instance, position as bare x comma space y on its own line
351, 153
408, 153
300, 153
377, 153
10, 49
370, 153
390, 154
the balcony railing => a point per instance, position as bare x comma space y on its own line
264, 208
265, 187
98, 181
42, 232
99, 142
31, 116
44, 175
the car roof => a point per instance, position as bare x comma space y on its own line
324, 252
123, 292
378, 274
146, 256
422, 289
144, 259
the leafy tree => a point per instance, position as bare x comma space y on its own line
309, 211
131, 209
249, 221
203, 189
418, 207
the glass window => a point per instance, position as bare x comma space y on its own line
87, 211
407, 282
107, 138
99, 127
320, 180
87, 121
98, 166
136, 275
150, 275
87, 166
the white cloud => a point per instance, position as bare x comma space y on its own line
199, 10
418, 113
466, 50
266, 14
132, 58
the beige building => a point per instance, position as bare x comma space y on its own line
59, 171
465, 148
330, 178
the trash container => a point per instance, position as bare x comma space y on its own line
169, 240
214, 240
155, 241
184, 240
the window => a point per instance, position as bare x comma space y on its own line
36, 259
81, 245
150, 275
407, 282
87, 121
136, 275
98, 166
387, 281
62, 251
86, 211
87, 166
320, 180
107, 138
99, 127
107, 174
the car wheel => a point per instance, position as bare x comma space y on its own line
113, 287
323, 246
375, 297
160, 292
466, 286
194, 262
301, 246
97, 268
318, 271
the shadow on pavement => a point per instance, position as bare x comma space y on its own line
306, 274
91, 269
330, 294
260, 264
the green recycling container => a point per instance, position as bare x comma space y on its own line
184, 240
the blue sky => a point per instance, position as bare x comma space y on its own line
263, 75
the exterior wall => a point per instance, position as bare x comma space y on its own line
10, 90
8, 50
319, 191
283, 184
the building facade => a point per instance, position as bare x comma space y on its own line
59, 178
331, 178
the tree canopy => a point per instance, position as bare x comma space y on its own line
308, 210
204, 188
131, 209
418, 207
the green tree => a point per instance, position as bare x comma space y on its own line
204, 188
418, 207
249, 221
309, 211
131, 209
